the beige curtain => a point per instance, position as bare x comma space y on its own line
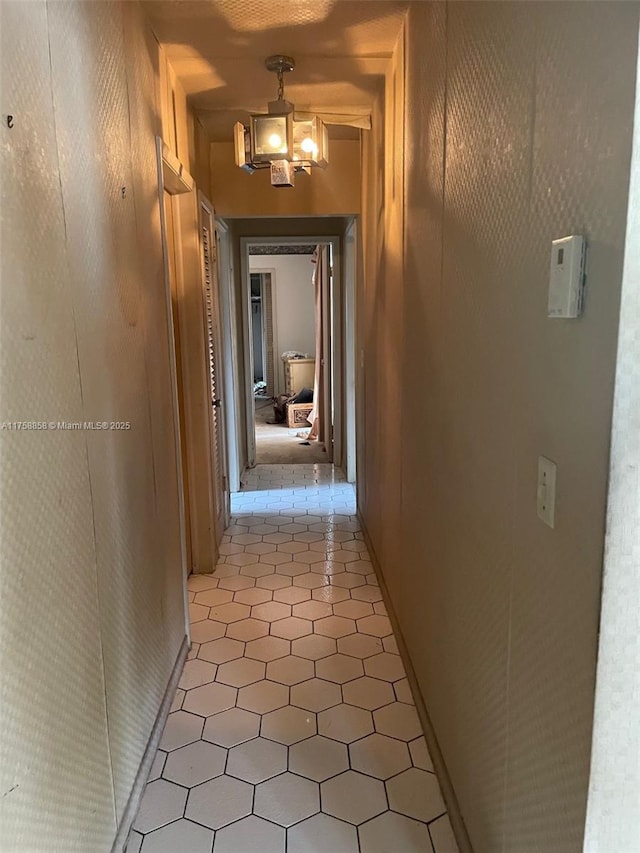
316, 415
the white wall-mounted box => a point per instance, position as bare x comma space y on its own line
566, 277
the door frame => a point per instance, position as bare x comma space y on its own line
335, 336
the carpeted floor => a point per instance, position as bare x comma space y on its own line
276, 444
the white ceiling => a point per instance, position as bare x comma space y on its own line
217, 49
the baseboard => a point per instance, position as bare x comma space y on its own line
451, 801
149, 754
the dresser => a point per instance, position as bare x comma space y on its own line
298, 374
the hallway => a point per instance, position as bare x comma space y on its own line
293, 727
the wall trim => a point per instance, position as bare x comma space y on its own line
142, 775
448, 793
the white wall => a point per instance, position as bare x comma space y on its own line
294, 313
91, 606
518, 130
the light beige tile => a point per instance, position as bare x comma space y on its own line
360, 646
369, 693
291, 628
257, 760
379, 607
318, 758
391, 832
345, 723
262, 697
314, 647
312, 610
311, 581
178, 699
330, 594
180, 729
250, 834
351, 609
196, 583
197, 612
211, 597
240, 672
288, 725
290, 670
398, 720
268, 648
316, 695
209, 699
322, 834
231, 727
161, 803
339, 668
292, 569
231, 612
236, 583
379, 756
386, 666
403, 691
247, 630
204, 632
334, 626
242, 559
416, 793
222, 650
253, 595
271, 611
157, 766
348, 580
193, 651
134, 842
219, 802
183, 835
273, 582
420, 755
370, 592
287, 799
442, 836
196, 673
353, 797
376, 626
361, 567
257, 570
196, 763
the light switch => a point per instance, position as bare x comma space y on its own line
566, 277
546, 490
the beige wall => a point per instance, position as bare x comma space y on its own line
518, 131
334, 191
91, 606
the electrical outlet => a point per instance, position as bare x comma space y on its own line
546, 490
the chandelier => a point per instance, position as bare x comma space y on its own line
276, 141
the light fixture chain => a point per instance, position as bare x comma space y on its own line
280, 85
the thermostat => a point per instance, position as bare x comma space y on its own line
566, 278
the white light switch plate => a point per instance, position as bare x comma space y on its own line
546, 490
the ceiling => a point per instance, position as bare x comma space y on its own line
217, 49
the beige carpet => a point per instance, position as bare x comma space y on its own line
276, 444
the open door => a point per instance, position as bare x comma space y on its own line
211, 298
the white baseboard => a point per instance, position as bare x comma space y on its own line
450, 799
149, 754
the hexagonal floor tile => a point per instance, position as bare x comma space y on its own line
339, 668
330, 594
370, 593
237, 583
392, 831
257, 760
180, 729
403, 691
247, 630
178, 699
231, 727
360, 646
196, 673
376, 626
290, 670
271, 611
268, 648
158, 765
353, 797
219, 802
416, 793
314, 647
398, 720
263, 696
420, 755
311, 581
379, 756
349, 580
442, 836
257, 571
161, 803
209, 699
391, 645
286, 799
312, 610
240, 672
369, 693
334, 626
250, 833
316, 695
193, 764
180, 835
197, 612
200, 582
231, 612
291, 628
291, 595
386, 666
222, 650
318, 758
292, 569
351, 609
253, 595
322, 834
241, 560
211, 597
345, 723
203, 632
288, 725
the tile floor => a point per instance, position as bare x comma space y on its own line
293, 728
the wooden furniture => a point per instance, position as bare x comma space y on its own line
297, 415
298, 374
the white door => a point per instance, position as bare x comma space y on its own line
208, 243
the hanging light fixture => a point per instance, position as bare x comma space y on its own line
275, 140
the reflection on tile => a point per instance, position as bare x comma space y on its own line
294, 726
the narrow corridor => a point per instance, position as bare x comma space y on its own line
293, 727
